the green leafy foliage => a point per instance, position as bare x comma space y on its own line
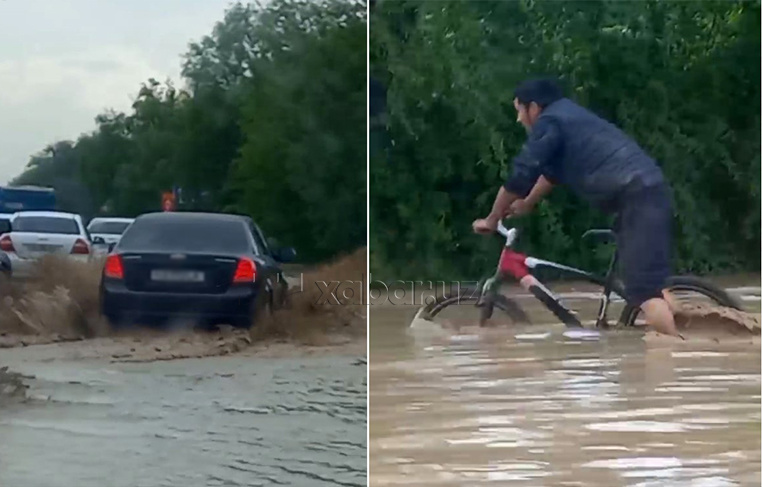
682, 78
271, 124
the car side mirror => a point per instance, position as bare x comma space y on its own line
99, 241
285, 254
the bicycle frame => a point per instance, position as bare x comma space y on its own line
520, 266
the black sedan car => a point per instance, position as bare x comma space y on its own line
215, 268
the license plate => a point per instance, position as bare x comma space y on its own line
177, 276
43, 247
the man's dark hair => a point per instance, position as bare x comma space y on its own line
542, 91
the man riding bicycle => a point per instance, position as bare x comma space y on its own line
568, 144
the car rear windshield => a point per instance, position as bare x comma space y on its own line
109, 228
46, 224
187, 235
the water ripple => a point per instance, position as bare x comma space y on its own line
232, 421
611, 413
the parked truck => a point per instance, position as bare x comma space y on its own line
25, 198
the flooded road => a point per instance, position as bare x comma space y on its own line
218, 421
518, 408
283, 403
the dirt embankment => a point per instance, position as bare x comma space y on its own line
59, 303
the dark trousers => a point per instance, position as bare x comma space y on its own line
644, 236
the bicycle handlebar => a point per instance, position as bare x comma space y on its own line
501, 229
510, 235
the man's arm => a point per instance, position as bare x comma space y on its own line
541, 146
540, 149
502, 205
541, 189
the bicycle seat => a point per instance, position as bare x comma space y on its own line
600, 235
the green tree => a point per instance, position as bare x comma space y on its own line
311, 163
271, 124
680, 77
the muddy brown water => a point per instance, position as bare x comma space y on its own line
84, 406
239, 420
531, 407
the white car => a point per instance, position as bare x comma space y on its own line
35, 234
109, 229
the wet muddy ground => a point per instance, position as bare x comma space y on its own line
80, 405
530, 406
239, 420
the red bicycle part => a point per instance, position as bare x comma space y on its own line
513, 263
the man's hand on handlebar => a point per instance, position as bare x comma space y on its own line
487, 226
521, 207
484, 226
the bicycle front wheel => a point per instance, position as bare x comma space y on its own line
465, 304
689, 289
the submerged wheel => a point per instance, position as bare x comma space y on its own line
470, 297
687, 288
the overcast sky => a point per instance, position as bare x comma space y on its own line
62, 62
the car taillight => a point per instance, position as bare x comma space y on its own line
80, 247
114, 268
6, 244
246, 271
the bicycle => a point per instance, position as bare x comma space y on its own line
521, 267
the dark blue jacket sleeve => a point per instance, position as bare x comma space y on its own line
536, 158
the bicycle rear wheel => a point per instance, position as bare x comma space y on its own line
469, 297
686, 288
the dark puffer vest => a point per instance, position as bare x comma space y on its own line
570, 145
